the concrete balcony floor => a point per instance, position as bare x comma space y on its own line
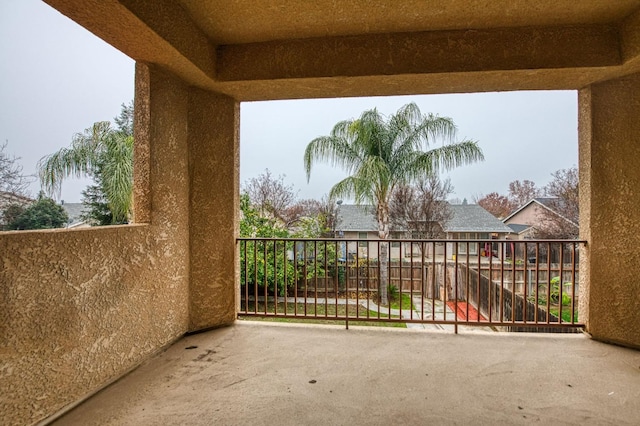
257, 373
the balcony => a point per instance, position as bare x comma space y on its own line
81, 308
268, 373
504, 285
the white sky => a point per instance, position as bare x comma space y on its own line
56, 79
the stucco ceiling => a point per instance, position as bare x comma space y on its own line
251, 21
277, 49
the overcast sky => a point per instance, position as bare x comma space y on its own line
56, 79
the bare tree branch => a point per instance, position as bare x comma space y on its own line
270, 196
422, 208
496, 204
12, 179
522, 192
560, 218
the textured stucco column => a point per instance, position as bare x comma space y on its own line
609, 152
214, 181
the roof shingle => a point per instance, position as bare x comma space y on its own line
464, 218
356, 218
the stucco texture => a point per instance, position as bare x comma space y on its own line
84, 306
80, 308
69, 301
308, 49
609, 209
214, 172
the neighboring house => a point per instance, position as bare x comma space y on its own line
532, 215
472, 222
355, 222
521, 232
467, 222
9, 198
74, 211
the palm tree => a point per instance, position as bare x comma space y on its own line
100, 152
379, 154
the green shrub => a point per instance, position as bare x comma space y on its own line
393, 293
554, 294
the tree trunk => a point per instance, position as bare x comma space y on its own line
383, 282
382, 214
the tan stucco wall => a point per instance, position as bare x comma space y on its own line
214, 151
70, 301
311, 49
84, 306
609, 154
81, 307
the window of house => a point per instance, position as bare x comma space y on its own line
462, 247
362, 236
396, 236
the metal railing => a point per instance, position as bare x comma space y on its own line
512, 285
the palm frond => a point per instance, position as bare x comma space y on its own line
381, 153
78, 160
66, 162
446, 157
117, 175
336, 150
343, 189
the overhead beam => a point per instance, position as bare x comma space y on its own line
630, 38
152, 31
422, 53
161, 32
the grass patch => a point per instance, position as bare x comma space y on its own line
566, 313
407, 303
328, 311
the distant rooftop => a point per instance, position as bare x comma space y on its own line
74, 211
547, 201
356, 218
551, 203
7, 198
517, 228
473, 218
464, 218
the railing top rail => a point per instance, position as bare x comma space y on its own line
523, 284
415, 240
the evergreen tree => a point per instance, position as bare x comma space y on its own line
43, 214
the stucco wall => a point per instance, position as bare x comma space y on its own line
609, 214
81, 307
531, 215
215, 188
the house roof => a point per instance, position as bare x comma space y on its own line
74, 211
518, 228
547, 201
464, 218
473, 218
7, 198
356, 218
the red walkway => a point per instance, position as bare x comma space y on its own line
461, 311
